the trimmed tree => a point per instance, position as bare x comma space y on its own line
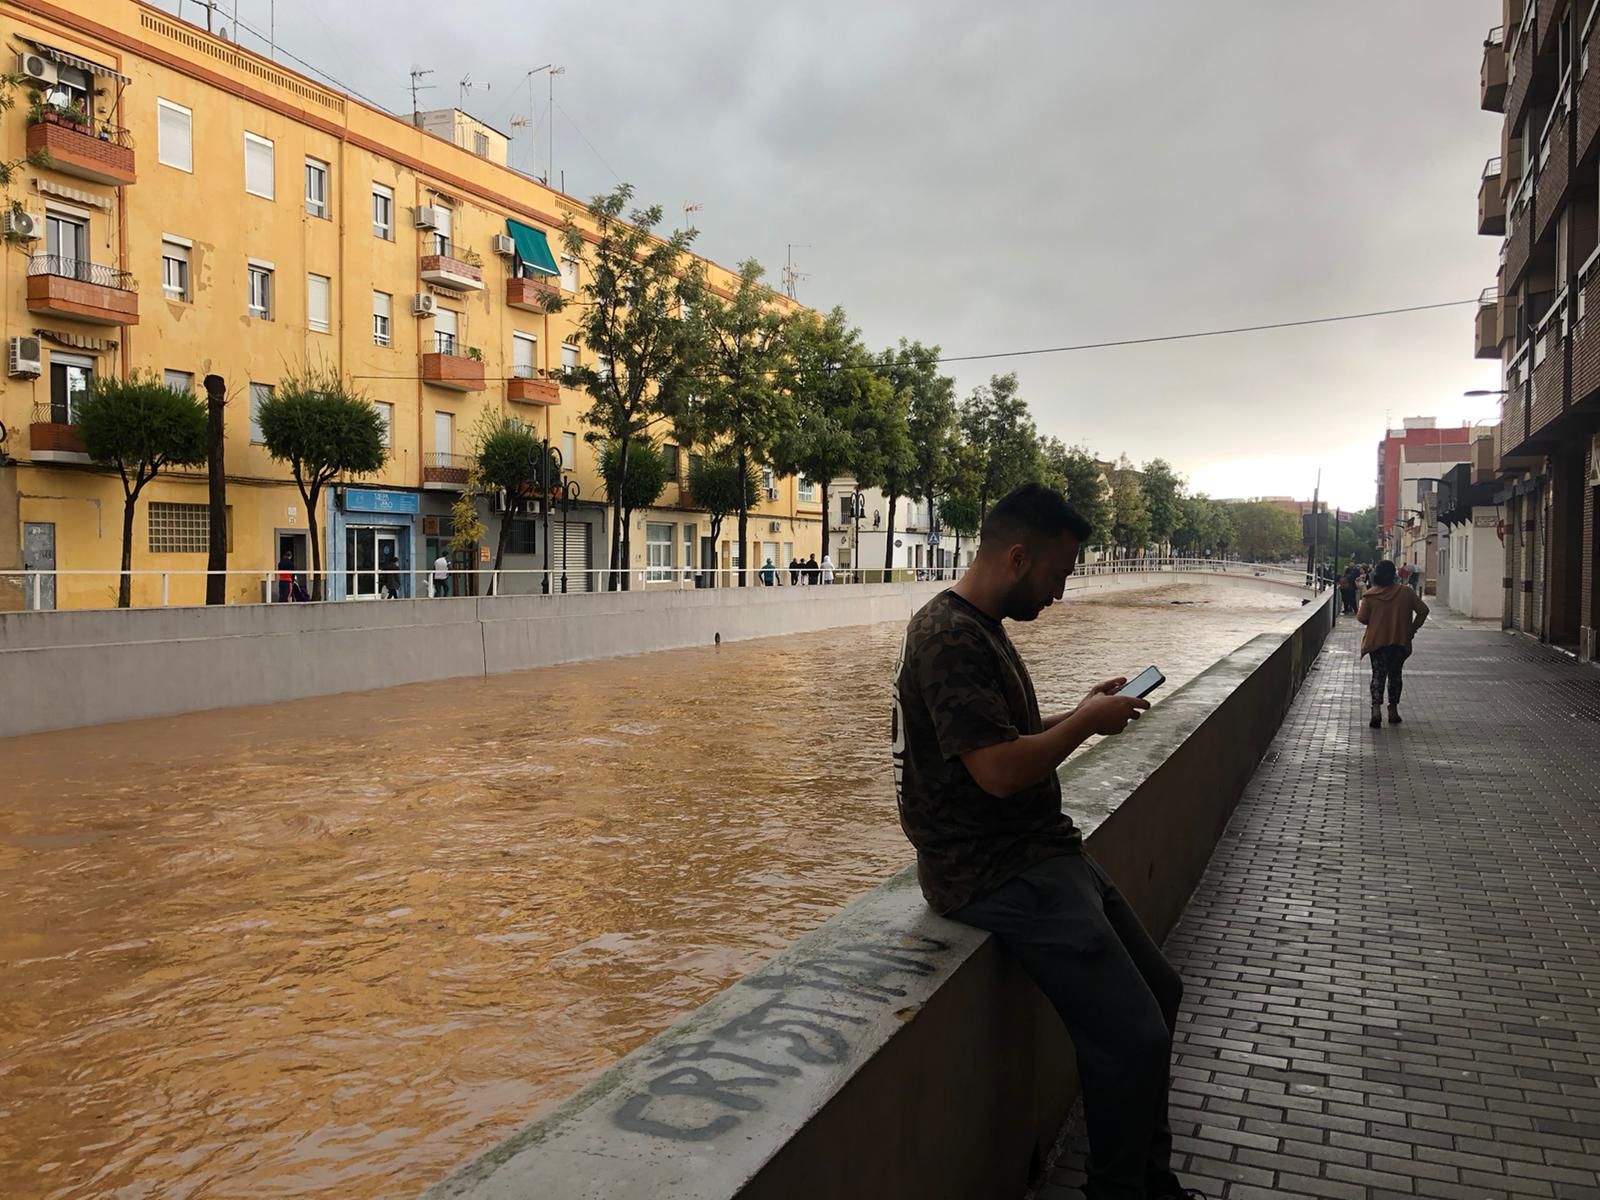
323, 426
1163, 496
507, 460
743, 403
959, 512
1077, 473
635, 287
139, 426
916, 460
996, 423
1130, 515
642, 484
722, 487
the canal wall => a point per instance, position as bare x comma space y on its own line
62, 670
891, 1052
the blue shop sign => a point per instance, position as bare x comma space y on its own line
367, 500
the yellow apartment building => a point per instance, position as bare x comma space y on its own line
206, 211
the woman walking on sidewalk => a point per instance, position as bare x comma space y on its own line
1392, 614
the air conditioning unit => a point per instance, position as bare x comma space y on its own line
774, 526
25, 360
425, 216
37, 67
23, 226
423, 304
772, 493
504, 246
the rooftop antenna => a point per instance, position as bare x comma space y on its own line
689, 209
550, 138
466, 86
791, 277
416, 74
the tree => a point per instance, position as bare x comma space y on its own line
721, 486
507, 461
634, 292
831, 386
743, 402
996, 423
1358, 543
916, 457
466, 526
1077, 474
1163, 493
1266, 533
323, 426
959, 512
1130, 513
644, 481
139, 426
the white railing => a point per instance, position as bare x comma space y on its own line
277, 587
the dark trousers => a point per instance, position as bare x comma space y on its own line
1387, 662
1077, 938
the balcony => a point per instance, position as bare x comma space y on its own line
1488, 324
442, 472
1492, 75
531, 295
53, 436
1550, 196
1491, 203
98, 152
441, 270
1586, 335
529, 385
447, 367
81, 291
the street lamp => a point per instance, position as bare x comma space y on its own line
1486, 392
544, 460
567, 491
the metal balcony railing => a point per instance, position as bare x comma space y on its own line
58, 412
441, 460
82, 270
101, 131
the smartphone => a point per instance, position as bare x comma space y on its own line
1142, 684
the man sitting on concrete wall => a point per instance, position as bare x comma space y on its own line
975, 768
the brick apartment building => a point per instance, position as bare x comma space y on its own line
1412, 460
1542, 192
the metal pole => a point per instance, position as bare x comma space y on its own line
544, 509
566, 512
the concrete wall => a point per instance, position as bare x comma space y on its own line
60, 670
891, 1052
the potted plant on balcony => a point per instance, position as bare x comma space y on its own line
475, 354
471, 257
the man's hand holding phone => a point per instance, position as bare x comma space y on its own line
1109, 713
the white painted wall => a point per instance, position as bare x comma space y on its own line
1477, 567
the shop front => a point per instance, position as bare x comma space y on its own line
371, 544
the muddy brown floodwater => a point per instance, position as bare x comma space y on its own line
332, 947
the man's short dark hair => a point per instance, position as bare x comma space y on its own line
1029, 514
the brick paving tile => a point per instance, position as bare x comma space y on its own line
1392, 965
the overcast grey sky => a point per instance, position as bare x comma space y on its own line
1029, 174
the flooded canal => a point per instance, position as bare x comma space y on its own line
332, 947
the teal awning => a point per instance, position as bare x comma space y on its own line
532, 248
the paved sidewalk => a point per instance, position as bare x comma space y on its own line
1393, 962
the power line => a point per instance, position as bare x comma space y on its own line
1139, 341
589, 144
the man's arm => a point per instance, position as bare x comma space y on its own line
1006, 768
1419, 609
1104, 688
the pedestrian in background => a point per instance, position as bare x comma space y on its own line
769, 574
794, 572
285, 577
441, 576
813, 572
1347, 589
1392, 613
827, 568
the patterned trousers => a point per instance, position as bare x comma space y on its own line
1386, 664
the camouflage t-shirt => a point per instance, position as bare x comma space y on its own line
959, 686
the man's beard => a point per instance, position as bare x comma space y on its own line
1020, 605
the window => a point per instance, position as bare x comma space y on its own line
688, 547
386, 415
441, 235
444, 436
605, 366
382, 318
768, 480
174, 267
569, 450
524, 355
317, 188
174, 135
569, 274
260, 289
183, 528
319, 297
70, 376
669, 455
444, 331
658, 547
258, 166
847, 509
178, 381
480, 144
258, 393
524, 537
569, 357
66, 241
383, 212
808, 491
